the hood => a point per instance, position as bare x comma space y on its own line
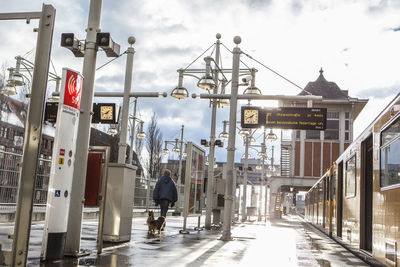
165, 179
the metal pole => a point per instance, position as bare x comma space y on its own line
179, 182
210, 184
226, 234
262, 178
32, 140
72, 243
130, 157
125, 106
246, 167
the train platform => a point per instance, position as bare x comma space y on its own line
285, 242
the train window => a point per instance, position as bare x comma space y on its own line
350, 189
320, 192
390, 155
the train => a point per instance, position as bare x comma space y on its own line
357, 200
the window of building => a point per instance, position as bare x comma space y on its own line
390, 155
346, 136
312, 134
351, 177
332, 115
297, 134
332, 126
347, 126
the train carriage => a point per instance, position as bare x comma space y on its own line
358, 198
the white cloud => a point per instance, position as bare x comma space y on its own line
353, 41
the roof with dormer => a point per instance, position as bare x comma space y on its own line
321, 87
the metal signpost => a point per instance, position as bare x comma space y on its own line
194, 179
62, 166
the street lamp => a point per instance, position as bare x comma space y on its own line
16, 78
180, 92
271, 136
210, 81
224, 134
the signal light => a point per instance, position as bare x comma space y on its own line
103, 40
219, 143
69, 41
204, 142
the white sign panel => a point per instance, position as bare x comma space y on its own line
62, 166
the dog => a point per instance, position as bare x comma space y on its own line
155, 225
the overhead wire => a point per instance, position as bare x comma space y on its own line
273, 71
198, 57
105, 64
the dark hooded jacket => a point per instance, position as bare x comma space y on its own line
165, 189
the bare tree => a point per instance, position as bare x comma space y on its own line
154, 148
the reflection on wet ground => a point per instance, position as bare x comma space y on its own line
285, 242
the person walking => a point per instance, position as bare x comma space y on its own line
165, 193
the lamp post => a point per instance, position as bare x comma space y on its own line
209, 83
226, 233
72, 243
125, 106
17, 78
269, 174
262, 159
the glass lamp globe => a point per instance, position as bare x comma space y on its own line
179, 93
206, 83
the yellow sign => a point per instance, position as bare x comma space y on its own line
61, 161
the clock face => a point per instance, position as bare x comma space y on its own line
251, 116
106, 112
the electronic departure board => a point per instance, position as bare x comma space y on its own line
284, 118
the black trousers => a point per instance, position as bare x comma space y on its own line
164, 204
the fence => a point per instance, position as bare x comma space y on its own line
9, 179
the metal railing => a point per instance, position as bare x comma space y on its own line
9, 179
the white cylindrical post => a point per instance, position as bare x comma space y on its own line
246, 167
72, 244
125, 106
130, 157
226, 234
210, 183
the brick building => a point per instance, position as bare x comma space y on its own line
308, 153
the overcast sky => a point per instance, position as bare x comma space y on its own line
355, 42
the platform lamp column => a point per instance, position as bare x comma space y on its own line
226, 234
125, 106
246, 167
263, 156
130, 157
72, 244
210, 184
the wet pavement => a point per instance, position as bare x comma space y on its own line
286, 242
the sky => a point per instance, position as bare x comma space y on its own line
355, 42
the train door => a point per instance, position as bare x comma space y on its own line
366, 194
339, 215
